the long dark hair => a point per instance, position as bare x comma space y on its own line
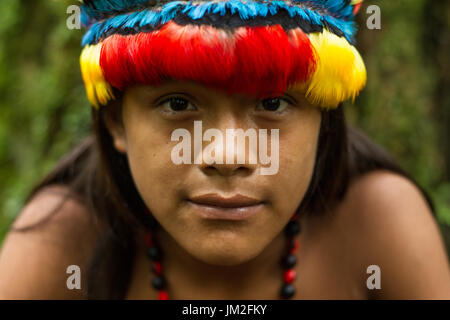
100, 176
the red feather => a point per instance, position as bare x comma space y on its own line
259, 61
356, 8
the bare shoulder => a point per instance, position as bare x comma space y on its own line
57, 232
383, 201
393, 228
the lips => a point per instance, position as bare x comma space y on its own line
236, 201
217, 207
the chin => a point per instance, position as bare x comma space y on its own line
224, 253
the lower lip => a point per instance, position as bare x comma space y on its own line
221, 213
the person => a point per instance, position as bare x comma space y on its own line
161, 203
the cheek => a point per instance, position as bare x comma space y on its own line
297, 158
155, 175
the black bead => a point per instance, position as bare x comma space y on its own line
154, 253
287, 291
291, 243
292, 228
289, 261
158, 282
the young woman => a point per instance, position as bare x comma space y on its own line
149, 207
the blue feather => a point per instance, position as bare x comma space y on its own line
220, 8
169, 11
197, 12
341, 9
236, 6
273, 9
246, 10
296, 11
252, 9
133, 19
281, 4
262, 9
187, 7
151, 18
91, 34
314, 17
118, 22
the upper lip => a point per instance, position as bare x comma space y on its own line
235, 201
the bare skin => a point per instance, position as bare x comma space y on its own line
383, 219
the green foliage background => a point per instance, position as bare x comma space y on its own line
405, 107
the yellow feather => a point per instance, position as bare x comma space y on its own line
340, 72
98, 91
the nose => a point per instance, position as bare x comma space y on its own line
232, 150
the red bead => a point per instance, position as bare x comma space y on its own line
295, 247
162, 295
158, 267
289, 276
294, 217
148, 239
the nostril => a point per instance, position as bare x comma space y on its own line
226, 169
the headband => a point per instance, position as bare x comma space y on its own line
256, 47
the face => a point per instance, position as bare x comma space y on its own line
222, 213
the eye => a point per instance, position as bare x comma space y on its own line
176, 104
277, 105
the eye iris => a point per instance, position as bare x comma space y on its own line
178, 104
271, 104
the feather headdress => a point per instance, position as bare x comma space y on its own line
255, 47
